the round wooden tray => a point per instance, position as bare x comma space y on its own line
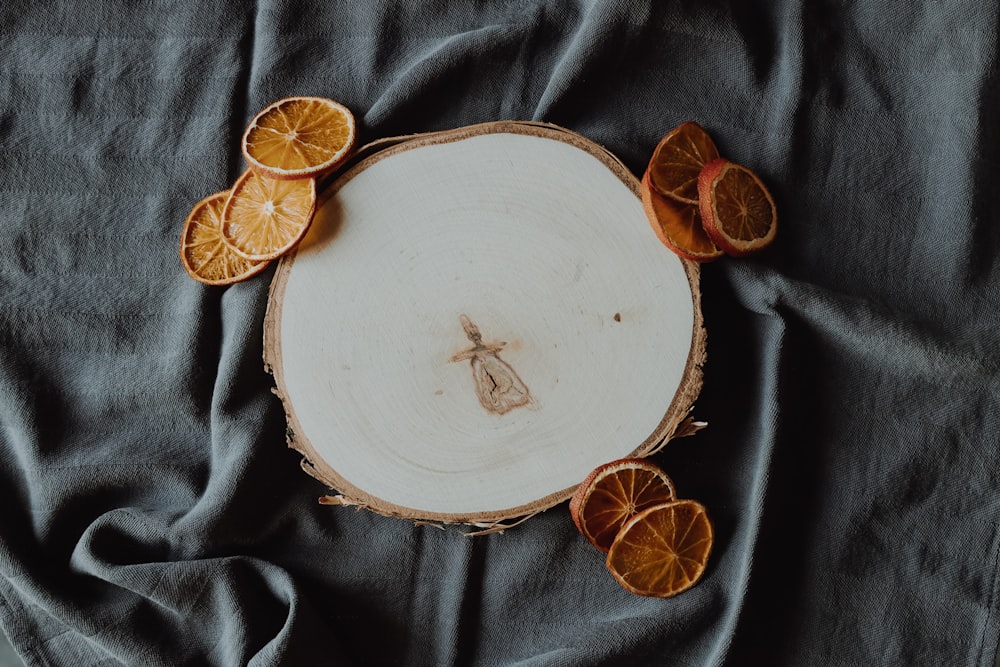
476, 319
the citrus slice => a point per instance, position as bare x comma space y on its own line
737, 211
678, 159
615, 492
204, 253
677, 225
298, 137
663, 550
264, 218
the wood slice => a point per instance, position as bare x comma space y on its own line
477, 319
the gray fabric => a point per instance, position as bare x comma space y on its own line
152, 514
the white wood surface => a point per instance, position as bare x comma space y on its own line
518, 236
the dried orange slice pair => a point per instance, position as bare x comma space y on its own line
701, 205
657, 545
232, 235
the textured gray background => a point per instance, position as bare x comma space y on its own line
152, 514
8, 657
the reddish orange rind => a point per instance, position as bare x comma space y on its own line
737, 210
677, 225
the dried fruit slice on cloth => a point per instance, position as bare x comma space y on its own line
663, 550
678, 225
298, 137
204, 253
264, 218
615, 492
678, 159
737, 211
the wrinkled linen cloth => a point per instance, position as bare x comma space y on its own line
153, 515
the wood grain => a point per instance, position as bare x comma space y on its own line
476, 319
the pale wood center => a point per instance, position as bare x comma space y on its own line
477, 320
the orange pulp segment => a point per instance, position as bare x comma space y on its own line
678, 159
663, 550
264, 218
677, 225
204, 253
298, 137
737, 211
613, 493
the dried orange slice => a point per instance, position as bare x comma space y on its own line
677, 225
204, 253
663, 550
678, 159
298, 137
264, 218
613, 493
737, 211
